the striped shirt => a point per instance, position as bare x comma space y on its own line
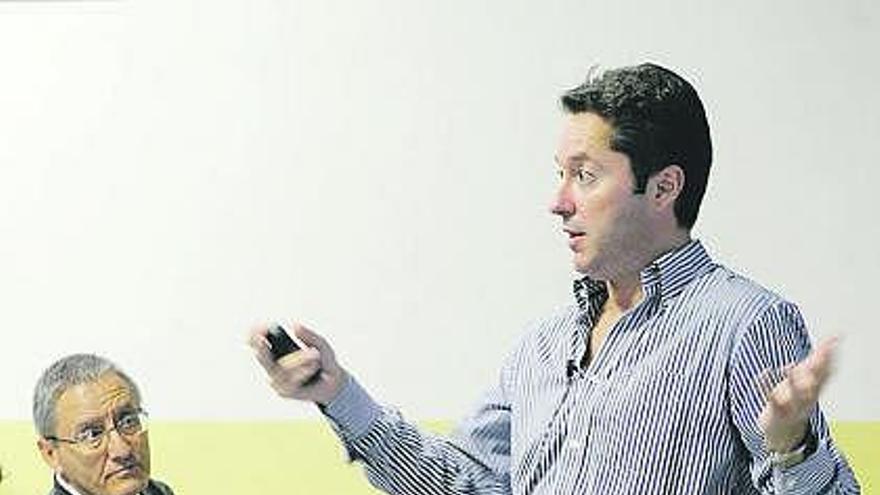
669, 404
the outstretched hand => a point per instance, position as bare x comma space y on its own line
791, 394
309, 374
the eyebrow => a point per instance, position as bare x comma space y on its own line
88, 422
99, 419
579, 158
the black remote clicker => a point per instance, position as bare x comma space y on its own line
280, 343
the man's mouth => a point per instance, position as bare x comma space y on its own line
573, 234
124, 471
574, 237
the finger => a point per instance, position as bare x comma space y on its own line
296, 372
309, 336
804, 390
820, 361
780, 385
264, 357
257, 335
802, 378
282, 389
781, 402
809, 377
305, 374
828, 344
299, 358
293, 364
313, 339
258, 343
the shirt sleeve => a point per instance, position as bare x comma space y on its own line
401, 459
775, 339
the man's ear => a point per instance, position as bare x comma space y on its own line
666, 185
49, 452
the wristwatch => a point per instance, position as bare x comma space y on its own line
794, 457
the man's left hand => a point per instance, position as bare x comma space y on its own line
786, 415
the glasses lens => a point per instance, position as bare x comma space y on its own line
128, 424
90, 437
131, 424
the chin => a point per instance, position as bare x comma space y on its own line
582, 269
126, 486
589, 268
585, 266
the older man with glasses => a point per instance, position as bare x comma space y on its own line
93, 430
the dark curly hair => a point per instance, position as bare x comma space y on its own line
657, 120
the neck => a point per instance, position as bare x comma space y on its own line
677, 239
625, 289
623, 294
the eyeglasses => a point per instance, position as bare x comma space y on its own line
128, 424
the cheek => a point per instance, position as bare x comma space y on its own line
595, 210
83, 469
143, 454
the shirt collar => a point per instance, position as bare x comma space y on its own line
64, 484
68, 487
665, 277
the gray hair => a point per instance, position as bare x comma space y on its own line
67, 372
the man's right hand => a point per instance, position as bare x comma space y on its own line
309, 374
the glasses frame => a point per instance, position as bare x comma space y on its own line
142, 415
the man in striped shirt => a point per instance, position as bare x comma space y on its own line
671, 373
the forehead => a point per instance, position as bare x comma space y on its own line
93, 399
584, 133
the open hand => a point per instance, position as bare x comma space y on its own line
791, 395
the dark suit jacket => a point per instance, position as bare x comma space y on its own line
153, 488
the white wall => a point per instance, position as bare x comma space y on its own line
172, 171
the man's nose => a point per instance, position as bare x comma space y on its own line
118, 446
562, 203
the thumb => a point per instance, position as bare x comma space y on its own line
821, 360
826, 348
313, 339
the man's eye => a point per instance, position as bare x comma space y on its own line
560, 174
89, 434
584, 176
129, 422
